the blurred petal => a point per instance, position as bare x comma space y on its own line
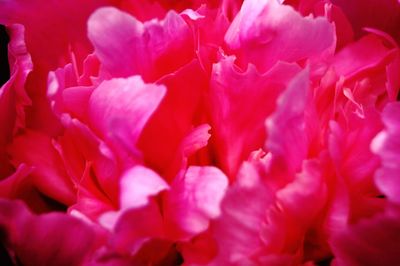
387, 146
44, 239
370, 242
287, 127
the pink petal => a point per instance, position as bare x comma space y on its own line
175, 119
143, 9
54, 39
190, 146
288, 132
237, 230
92, 201
200, 250
70, 34
286, 226
344, 30
265, 32
125, 46
10, 186
366, 53
240, 103
120, 108
76, 101
386, 145
372, 241
13, 97
44, 239
135, 227
194, 199
350, 147
355, 165
137, 185
80, 148
393, 80
49, 173
373, 14
304, 191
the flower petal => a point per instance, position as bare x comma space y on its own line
120, 108
387, 145
126, 46
180, 112
265, 31
370, 242
237, 230
44, 239
240, 103
288, 135
49, 173
193, 200
137, 185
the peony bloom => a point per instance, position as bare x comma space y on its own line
200, 133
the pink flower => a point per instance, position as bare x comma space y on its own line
200, 133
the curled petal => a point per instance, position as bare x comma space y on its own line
49, 173
194, 199
287, 127
137, 185
120, 108
370, 242
387, 145
44, 239
126, 46
240, 103
279, 37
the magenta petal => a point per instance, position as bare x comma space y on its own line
181, 110
120, 58
393, 79
286, 226
135, 227
76, 101
193, 200
366, 53
382, 15
370, 242
120, 108
240, 103
51, 48
49, 173
287, 127
126, 46
244, 207
90, 165
305, 190
44, 239
13, 96
265, 31
137, 185
10, 186
387, 145
192, 143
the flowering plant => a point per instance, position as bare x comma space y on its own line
203, 132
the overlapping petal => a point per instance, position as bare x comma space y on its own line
265, 41
200, 132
